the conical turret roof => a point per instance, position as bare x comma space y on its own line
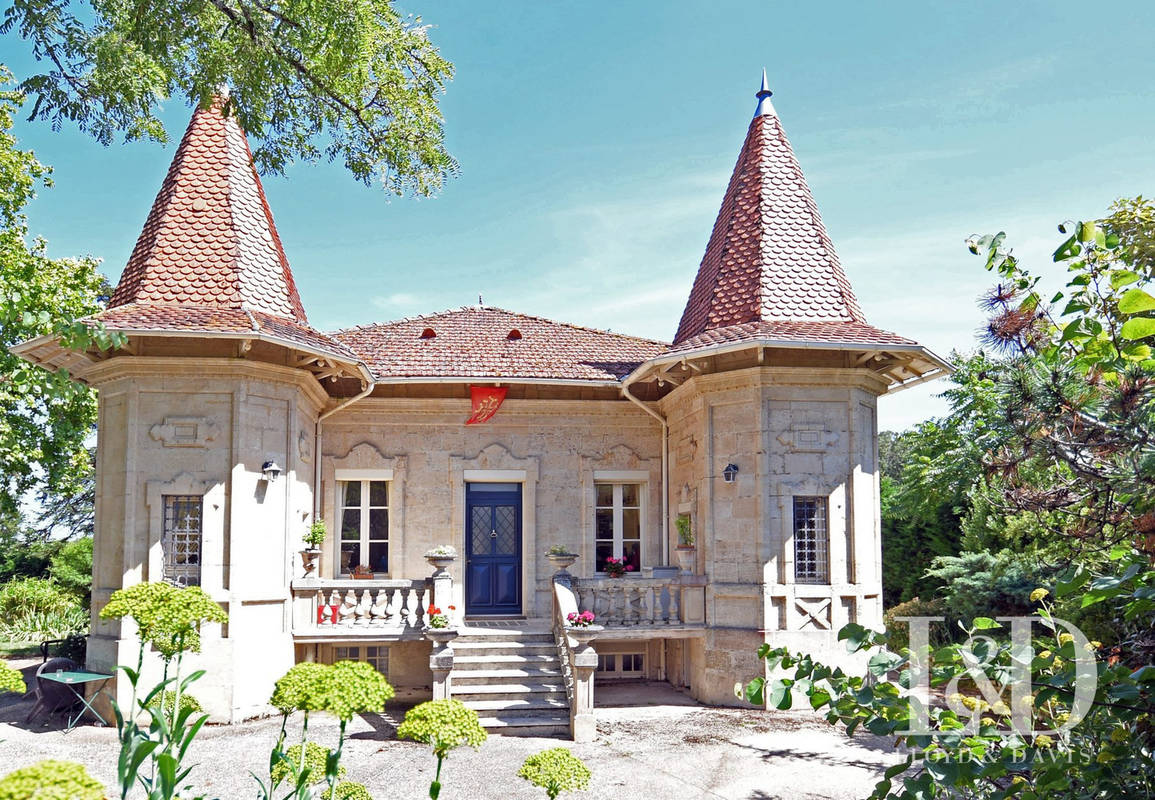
210, 239
769, 260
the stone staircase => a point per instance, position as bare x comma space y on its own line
513, 679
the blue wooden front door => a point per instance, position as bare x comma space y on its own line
493, 549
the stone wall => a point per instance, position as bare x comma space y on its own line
556, 449
205, 427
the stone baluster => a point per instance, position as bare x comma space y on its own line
320, 611
420, 593
334, 604
363, 608
379, 612
348, 609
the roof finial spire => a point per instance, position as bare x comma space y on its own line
765, 107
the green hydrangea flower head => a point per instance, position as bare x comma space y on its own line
165, 701
444, 724
168, 617
11, 680
305, 687
347, 790
356, 687
315, 758
51, 780
556, 770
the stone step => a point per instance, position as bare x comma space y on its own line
502, 660
491, 675
520, 725
503, 648
509, 692
529, 703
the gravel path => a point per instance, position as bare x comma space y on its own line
661, 749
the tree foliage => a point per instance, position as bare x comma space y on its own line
45, 417
352, 81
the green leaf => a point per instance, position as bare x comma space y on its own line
855, 636
1138, 328
1123, 277
754, 691
984, 624
1135, 301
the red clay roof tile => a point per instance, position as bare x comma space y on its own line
474, 342
210, 237
769, 257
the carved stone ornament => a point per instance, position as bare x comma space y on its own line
185, 431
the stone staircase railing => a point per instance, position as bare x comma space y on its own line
578, 658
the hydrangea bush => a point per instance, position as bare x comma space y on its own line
51, 780
444, 725
11, 680
556, 770
342, 689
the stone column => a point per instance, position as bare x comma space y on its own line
441, 661
582, 722
442, 582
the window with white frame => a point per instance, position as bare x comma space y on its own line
181, 539
363, 516
377, 655
618, 524
811, 540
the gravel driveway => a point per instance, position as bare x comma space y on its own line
664, 747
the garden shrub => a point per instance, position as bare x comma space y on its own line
315, 757
164, 703
11, 680
71, 568
34, 609
899, 633
556, 770
51, 780
443, 724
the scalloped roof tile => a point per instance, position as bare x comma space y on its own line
769, 258
210, 238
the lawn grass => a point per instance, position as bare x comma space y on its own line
10, 649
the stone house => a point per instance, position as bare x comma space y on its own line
227, 425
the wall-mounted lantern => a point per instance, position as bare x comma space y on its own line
270, 471
729, 473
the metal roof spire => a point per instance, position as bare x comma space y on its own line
765, 107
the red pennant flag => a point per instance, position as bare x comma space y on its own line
486, 400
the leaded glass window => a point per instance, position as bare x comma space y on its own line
811, 541
182, 538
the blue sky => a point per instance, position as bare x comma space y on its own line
596, 140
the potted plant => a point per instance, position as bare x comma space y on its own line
441, 557
314, 537
617, 567
685, 552
560, 557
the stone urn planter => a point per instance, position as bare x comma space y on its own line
686, 557
561, 561
441, 559
439, 636
309, 560
582, 635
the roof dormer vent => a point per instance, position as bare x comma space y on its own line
514, 335
428, 333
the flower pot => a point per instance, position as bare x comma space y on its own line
561, 561
686, 556
440, 563
309, 561
440, 636
583, 635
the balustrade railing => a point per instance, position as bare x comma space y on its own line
335, 605
622, 602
